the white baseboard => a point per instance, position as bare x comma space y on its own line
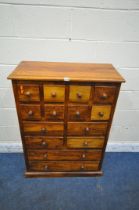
111, 147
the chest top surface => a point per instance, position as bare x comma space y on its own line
60, 71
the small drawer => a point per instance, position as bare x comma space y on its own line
92, 142
63, 165
35, 155
101, 112
79, 113
48, 129
28, 92
54, 112
104, 94
79, 94
30, 112
86, 129
54, 93
42, 142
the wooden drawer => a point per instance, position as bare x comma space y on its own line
54, 93
79, 113
64, 165
50, 129
54, 112
79, 93
86, 129
104, 94
92, 142
64, 155
42, 142
30, 112
28, 92
100, 112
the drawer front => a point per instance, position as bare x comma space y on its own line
41, 142
101, 112
63, 155
79, 94
54, 93
64, 165
93, 142
54, 113
30, 112
86, 129
50, 129
28, 92
79, 113
104, 94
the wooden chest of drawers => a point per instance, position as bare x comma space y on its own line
65, 112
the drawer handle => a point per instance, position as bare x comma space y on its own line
44, 143
82, 167
101, 114
104, 96
54, 113
45, 155
85, 143
79, 95
53, 94
28, 93
87, 129
43, 130
77, 113
45, 167
83, 156
30, 113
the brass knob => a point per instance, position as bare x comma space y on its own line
79, 95
53, 94
44, 143
28, 93
54, 113
43, 130
30, 113
45, 155
86, 129
45, 167
77, 113
101, 114
104, 96
83, 156
82, 167
85, 143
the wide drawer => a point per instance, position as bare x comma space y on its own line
28, 92
50, 129
54, 93
92, 142
64, 154
86, 129
30, 112
79, 113
104, 94
63, 165
42, 142
54, 112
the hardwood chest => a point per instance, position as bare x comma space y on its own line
65, 112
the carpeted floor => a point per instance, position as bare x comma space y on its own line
118, 189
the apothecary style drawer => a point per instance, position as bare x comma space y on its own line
104, 94
49, 129
42, 142
63, 165
54, 112
92, 142
54, 93
36, 155
86, 129
79, 113
30, 112
28, 92
100, 112
79, 93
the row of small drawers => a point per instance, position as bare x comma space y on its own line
77, 93
56, 112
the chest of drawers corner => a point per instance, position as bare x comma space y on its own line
65, 112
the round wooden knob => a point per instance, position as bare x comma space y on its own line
85, 143
53, 94
44, 143
45, 167
28, 93
77, 113
43, 130
82, 167
45, 155
30, 113
101, 114
86, 129
104, 96
79, 95
54, 113
83, 156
